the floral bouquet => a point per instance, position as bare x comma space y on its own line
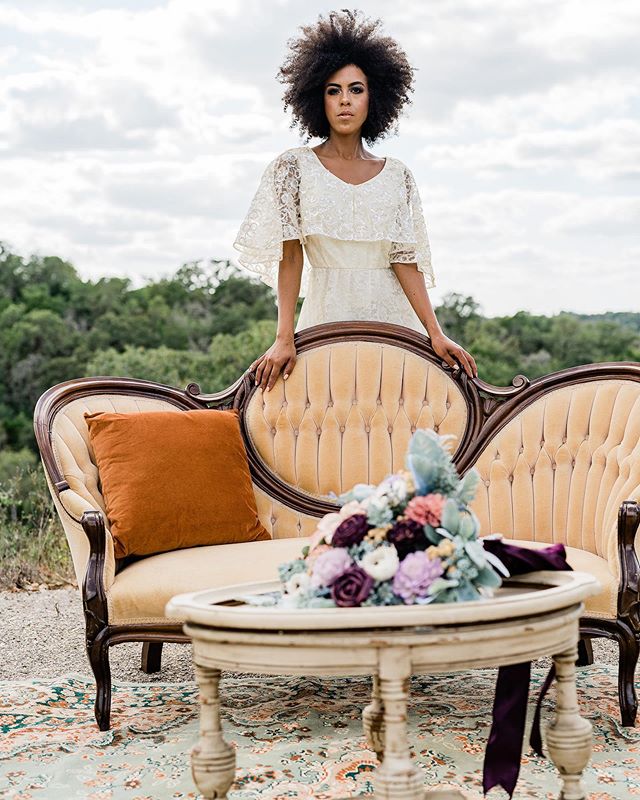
410, 540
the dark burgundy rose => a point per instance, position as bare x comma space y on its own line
352, 587
351, 531
408, 536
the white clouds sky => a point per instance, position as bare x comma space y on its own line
133, 135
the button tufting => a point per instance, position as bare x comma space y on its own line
390, 428
379, 402
400, 402
521, 450
447, 404
542, 443
342, 429
486, 483
273, 520
436, 428
367, 428
330, 403
307, 405
532, 470
413, 429
573, 462
295, 431
510, 478
319, 431
273, 430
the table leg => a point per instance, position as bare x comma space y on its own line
213, 761
373, 720
569, 735
397, 777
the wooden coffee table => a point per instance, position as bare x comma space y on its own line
529, 617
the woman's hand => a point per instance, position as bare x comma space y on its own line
452, 353
280, 356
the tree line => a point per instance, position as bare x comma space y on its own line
208, 322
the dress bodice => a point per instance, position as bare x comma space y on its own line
299, 198
351, 235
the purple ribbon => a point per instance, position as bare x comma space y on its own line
504, 748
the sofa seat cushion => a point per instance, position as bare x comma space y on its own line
603, 605
140, 592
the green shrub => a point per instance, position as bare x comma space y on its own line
33, 549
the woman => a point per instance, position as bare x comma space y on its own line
358, 217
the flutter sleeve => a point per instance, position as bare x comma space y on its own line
415, 250
273, 217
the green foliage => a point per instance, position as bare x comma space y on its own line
33, 549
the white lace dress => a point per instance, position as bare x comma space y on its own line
351, 234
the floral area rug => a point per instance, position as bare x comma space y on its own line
295, 738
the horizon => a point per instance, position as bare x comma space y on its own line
136, 132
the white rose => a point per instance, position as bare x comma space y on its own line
381, 563
298, 584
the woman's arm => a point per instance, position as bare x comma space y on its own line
413, 285
282, 353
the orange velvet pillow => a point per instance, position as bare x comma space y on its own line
174, 479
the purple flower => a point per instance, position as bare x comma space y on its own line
415, 575
351, 531
352, 588
408, 536
330, 565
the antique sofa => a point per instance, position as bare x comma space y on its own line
558, 457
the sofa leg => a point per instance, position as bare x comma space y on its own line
585, 653
151, 657
98, 652
628, 660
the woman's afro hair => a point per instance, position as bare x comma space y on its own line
345, 38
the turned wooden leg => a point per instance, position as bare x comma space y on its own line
213, 761
373, 720
569, 736
397, 777
151, 657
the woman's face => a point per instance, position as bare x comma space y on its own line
346, 99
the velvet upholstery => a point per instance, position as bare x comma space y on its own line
347, 412
173, 481
560, 469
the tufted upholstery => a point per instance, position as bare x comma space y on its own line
560, 469
346, 413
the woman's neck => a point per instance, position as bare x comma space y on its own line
348, 148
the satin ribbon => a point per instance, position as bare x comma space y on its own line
504, 748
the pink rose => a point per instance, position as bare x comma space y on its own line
426, 509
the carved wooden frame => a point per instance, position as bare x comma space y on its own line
489, 408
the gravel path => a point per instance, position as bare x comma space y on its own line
42, 636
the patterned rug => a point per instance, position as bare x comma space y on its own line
296, 738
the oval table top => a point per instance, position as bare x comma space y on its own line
533, 593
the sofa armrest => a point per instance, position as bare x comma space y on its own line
94, 596
629, 593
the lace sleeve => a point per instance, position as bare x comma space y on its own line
416, 251
273, 217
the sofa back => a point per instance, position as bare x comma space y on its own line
563, 458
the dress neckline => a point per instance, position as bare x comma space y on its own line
346, 183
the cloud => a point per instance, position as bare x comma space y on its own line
134, 135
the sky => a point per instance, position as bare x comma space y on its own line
133, 135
